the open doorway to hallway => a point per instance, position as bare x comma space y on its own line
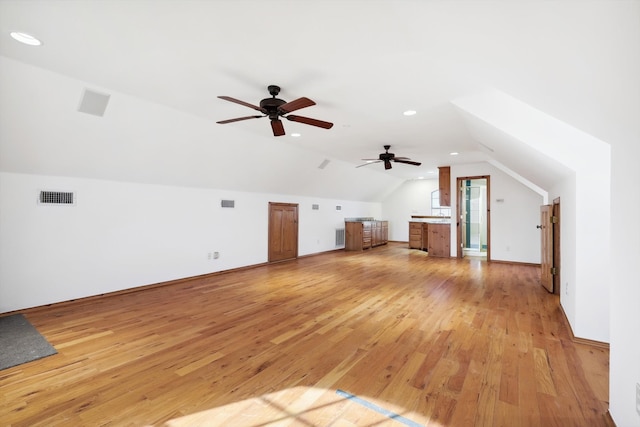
473, 215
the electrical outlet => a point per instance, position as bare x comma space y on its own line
638, 398
216, 255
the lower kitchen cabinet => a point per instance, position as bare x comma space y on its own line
360, 235
432, 237
439, 240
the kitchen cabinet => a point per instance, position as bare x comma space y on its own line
433, 237
415, 235
360, 235
444, 185
439, 244
379, 233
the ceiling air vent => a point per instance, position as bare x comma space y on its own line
93, 103
324, 164
56, 198
228, 203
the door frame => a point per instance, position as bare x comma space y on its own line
459, 204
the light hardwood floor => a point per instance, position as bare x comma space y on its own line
439, 342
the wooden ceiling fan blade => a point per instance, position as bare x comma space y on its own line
294, 105
278, 127
246, 104
222, 122
369, 162
409, 162
310, 121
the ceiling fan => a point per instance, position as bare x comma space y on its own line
275, 108
387, 158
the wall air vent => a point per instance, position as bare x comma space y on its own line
56, 198
315, 207
338, 208
339, 237
228, 203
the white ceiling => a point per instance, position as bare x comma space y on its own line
362, 62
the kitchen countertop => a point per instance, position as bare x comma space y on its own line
432, 220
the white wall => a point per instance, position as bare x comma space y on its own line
124, 235
585, 204
411, 198
624, 376
593, 271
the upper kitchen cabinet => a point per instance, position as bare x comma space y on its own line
444, 181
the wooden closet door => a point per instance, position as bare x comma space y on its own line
546, 246
283, 231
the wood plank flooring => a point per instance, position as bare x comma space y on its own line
439, 342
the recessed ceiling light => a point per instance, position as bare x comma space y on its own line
409, 113
295, 135
431, 172
25, 38
454, 153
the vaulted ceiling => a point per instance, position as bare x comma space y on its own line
364, 63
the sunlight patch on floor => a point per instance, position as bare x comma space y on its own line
304, 406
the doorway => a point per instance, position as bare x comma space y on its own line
283, 231
473, 217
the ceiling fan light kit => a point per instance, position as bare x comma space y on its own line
275, 109
387, 158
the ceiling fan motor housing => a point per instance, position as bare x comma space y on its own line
270, 105
386, 155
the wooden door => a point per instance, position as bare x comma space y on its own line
556, 246
283, 231
546, 245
